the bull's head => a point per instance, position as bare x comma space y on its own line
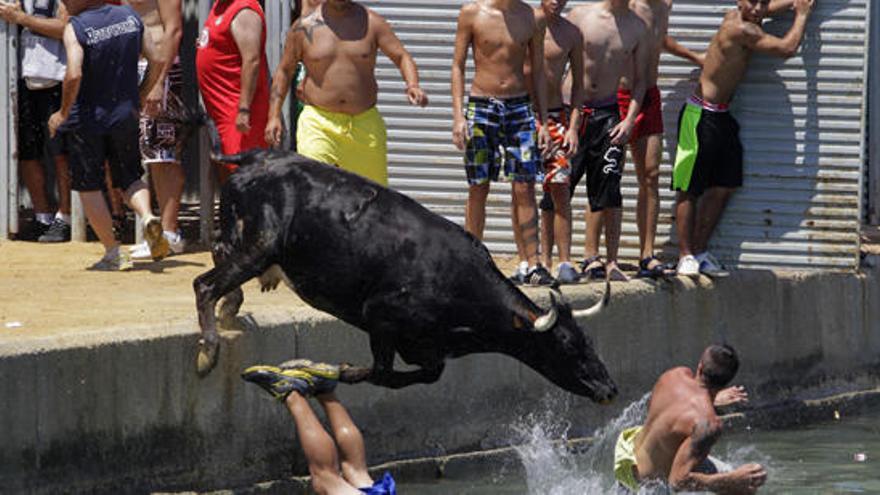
564, 353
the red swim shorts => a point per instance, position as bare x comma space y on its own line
650, 118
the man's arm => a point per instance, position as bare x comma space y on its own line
281, 82
52, 27
247, 31
391, 46
172, 27
539, 81
576, 69
753, 37
620, 133
674, 47
463, 38
72, 79
779, 6
155, 62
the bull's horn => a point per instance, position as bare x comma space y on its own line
596, 308
547, 320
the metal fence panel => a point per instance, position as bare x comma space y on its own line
8, 162
802, 128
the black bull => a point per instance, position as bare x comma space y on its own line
419, 284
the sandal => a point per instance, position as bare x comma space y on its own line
615, 274
647, 271
593, 268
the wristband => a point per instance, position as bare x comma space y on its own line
244, 110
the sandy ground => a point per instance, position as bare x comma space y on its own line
46, 289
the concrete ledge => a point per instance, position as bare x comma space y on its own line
121, 409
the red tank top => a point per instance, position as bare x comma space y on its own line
218, 66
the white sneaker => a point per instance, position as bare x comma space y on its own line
113, 261
175, 241
710, 265
688, 266
140, 251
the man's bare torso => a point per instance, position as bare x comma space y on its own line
609, 45
500, 43
340, 58
678, 404
559, 41
148, 10
655, 14
726, 62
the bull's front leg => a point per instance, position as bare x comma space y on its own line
383, 374
223, 279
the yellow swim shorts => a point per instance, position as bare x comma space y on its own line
356, 143
625, 458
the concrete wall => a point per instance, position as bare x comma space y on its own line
122, 410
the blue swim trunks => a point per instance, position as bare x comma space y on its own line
385, 486
501, 130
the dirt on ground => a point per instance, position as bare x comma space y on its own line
46, 289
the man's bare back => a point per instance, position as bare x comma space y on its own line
500, 44
611, 43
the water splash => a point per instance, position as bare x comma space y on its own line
551, 468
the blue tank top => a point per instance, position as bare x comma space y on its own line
111, 37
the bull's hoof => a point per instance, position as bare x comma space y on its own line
207, 358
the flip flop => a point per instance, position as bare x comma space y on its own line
646, 271
591, 272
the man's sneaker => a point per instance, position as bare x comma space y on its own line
113, 261
32, 231
710, 265
302, 376
688, 266
539, 275
159, 247
58, 231
567, 274
176, 244
519, 276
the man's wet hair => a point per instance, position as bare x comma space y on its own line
720, 364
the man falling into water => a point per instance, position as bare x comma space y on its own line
682, 426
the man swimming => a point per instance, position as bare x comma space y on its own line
682, 426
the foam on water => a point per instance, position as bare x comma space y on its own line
553, 469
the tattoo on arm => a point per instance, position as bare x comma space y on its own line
308, 25
703, 437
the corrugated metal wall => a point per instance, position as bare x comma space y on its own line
802, 127
8, 165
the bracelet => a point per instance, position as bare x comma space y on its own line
244, 110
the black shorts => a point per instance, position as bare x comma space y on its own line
709, 152
34, 109
598, 159
89, 150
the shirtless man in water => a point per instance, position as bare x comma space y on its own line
338, 43
158, 135
646, 141
682, 426
563, 47
709, 154
498, 113
614, 44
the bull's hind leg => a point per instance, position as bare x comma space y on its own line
225, 278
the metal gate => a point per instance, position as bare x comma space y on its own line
8, 163
802, 127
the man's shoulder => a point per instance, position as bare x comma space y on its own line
734, 28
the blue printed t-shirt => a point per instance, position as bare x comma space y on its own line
111, 37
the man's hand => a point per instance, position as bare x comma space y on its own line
620, 133
416, 96
11, 12
459, 133
544, 141
243, 121
274, 131
55, 121
731, 395
803, 7
570, 143
747, 478
152, 104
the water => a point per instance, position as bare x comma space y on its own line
836, 457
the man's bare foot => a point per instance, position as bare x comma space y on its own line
614, 272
